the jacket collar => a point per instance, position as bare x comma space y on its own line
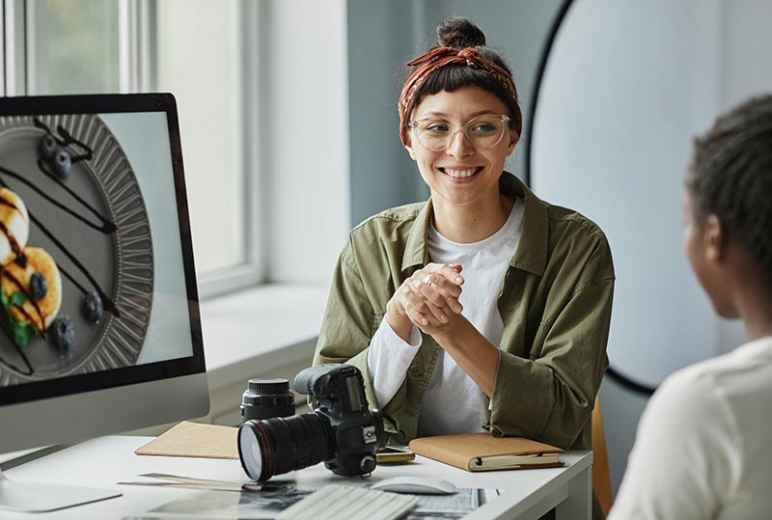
531, 254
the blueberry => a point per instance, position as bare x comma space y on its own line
62, 334
62, 163
48, 147
92, 308
38, 287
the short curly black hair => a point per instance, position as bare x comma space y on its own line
730, 176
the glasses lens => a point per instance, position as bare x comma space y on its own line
433, 135
484, 132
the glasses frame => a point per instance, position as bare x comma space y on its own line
464, 128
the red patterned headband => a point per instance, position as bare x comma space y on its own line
440, 57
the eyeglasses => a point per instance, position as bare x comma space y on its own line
484, 132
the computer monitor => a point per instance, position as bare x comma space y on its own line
99, 317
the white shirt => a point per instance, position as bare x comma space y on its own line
703, 445
452, 402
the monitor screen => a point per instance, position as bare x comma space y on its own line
97, 282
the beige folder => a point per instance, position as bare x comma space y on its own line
483, 452
188, 439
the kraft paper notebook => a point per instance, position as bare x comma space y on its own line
188, 439
483, 452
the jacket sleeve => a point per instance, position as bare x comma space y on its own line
550, 396
349, 322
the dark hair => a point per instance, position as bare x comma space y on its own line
460, 33
730, 176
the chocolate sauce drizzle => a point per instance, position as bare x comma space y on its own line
7, 274
108, 302
21, 261
106, 226
66, 140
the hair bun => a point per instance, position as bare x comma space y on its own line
459, 33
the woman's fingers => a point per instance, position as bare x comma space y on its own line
430, 295
452, 272
421, 311
438, 290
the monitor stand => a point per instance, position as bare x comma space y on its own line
41, 497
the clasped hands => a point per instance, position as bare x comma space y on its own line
428, 300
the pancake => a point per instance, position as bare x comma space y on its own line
14, 225
17, 278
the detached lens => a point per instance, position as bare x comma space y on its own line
267, 398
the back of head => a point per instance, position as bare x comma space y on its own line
459, 60
731, 177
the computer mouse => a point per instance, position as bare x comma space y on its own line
416, 486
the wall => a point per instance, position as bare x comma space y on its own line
383, 36
627, 86
380, 38
304, 127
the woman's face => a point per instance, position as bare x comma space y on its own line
461, 174
703, 246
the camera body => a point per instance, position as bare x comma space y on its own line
341, 430
337, 395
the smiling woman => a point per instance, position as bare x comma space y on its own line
483, 307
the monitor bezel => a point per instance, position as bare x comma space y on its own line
141, 373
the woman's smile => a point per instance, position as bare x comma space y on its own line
461, 174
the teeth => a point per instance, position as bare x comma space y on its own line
460, 173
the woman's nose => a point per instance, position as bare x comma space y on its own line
459, 145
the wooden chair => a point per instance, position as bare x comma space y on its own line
601, 476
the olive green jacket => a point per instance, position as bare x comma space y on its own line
555, 305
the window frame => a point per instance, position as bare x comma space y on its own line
138, 27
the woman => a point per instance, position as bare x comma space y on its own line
483, 307
702, 448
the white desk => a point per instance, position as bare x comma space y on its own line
104, 461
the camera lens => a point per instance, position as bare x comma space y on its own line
274, 446
267, 398
250, 453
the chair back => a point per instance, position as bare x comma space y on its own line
601, 476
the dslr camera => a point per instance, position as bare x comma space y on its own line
341, 430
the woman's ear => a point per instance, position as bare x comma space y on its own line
514, 138
714, 239
410, 151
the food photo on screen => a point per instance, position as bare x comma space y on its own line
76, 249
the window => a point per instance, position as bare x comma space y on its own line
71, 47
199, 50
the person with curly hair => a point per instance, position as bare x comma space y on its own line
702, 447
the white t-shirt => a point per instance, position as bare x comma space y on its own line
703, 447
452, 402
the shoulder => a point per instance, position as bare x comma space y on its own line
570, 228
378, 242
686, 461
690, 408
689, 391
392, 226
577, 246
387, 221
